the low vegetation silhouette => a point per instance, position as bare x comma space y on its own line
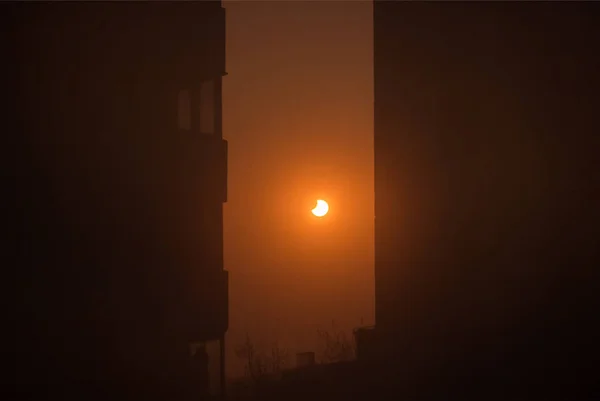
260, 363
335, 345
265, 364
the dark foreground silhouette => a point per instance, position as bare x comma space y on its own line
487, 189
116, 173
486, 185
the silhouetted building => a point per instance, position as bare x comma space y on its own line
487, 225
305, 359
201, 372
117, 175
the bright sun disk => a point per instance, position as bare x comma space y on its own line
321, 208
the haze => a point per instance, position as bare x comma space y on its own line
298, 116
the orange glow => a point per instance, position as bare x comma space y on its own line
321, 208
308, 135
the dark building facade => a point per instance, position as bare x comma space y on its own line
487, 223
117, 174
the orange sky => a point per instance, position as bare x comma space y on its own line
298, 117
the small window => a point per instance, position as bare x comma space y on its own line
184, 115
207, 107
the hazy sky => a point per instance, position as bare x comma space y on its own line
298, 117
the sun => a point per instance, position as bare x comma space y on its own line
321, 208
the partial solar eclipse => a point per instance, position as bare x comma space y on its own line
321, 209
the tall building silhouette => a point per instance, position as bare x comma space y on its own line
486, 194
117, 170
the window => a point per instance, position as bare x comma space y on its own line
184, 115
207, 107
196, 110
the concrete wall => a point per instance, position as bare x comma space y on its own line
116, 217
486, 224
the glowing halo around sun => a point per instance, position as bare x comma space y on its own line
321, 208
